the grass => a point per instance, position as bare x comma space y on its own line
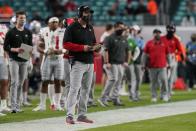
185, 122
145, 100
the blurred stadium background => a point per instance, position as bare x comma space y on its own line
108, 11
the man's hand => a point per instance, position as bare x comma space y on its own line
58, 52
97, 47
66, 52
17, 50
125, 64
108, 65
87, 48
50, 51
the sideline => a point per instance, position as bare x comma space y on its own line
105, 118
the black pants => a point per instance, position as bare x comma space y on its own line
181, 71
191, 74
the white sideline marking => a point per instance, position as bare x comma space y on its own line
105, 118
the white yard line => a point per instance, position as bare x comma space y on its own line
105, 118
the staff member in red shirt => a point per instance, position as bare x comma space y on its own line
156, 52
174, 48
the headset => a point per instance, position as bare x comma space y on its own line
80, 11
83, 8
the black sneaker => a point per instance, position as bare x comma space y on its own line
13, 111
70, 120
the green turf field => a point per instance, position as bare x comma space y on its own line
145, 100
185, 122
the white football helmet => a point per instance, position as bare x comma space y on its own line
13, 22
35, 26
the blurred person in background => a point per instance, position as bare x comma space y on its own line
156, 57
17, 66
135, 7
56, 7
116, 57
152, 7
12, 22
35, 27
4, 72
91, 99
136, 67
133, 87
108, 31
70, 5
188, 20
174, 47
36, 17
190, 6
35, 76
67, 67
114, 9
53, 51
191, 61
6, 11
181, 66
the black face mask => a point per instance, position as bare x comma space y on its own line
86, 18
157, 37
170, 34
119, 32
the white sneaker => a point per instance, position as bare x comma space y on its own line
26, 104
58, 108
154, 100
39, 108
1, 114
165, 99
5, 109
103, 103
